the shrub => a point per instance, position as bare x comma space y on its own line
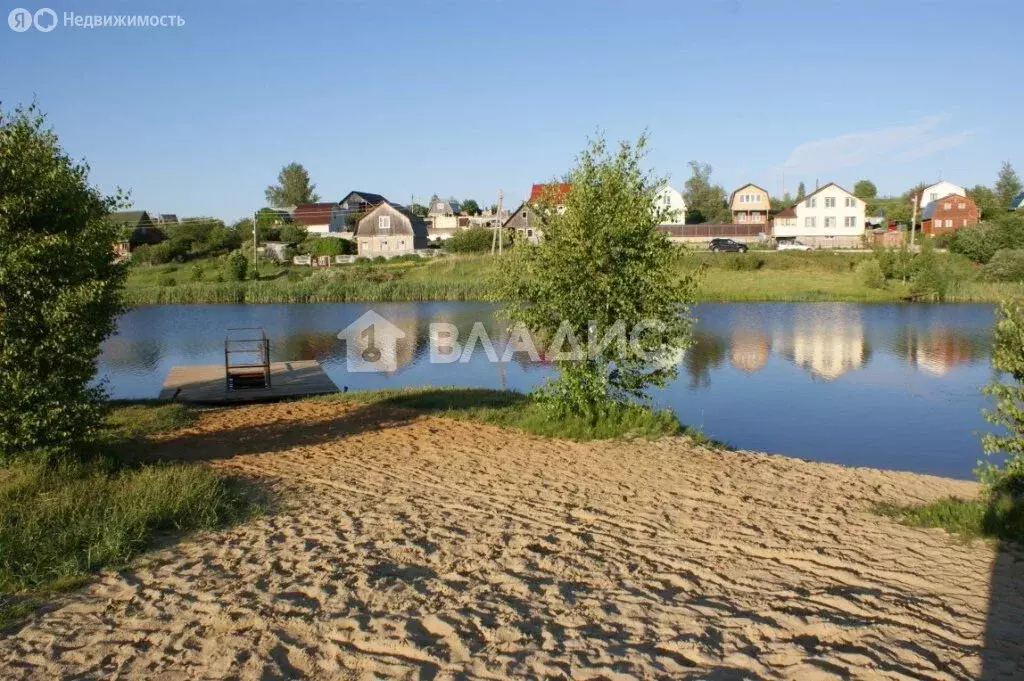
166, 281
977, 243
473, 240
895, 263
743, 262
929, 276
238, 266
1008, 358
871, 275
329, 245
1005, 265
60, 293
197, 272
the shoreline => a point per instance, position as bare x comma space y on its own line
409, 543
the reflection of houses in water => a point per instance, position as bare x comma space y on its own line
749, 350
936, 351
828, 342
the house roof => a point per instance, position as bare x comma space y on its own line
368, 197
749, 184
929, 210
450, 204
418, 224
789, 212
313, 213
557, 191
824, 187
131, 218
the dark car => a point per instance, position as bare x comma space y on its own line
727, 245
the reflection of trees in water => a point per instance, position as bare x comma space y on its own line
827, 341
706, 352
141, 353
936, 350
749, 349
304, 345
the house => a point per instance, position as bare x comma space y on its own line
317, 218
949, 214
166, 219
1018, 202
526, 220
442, 218
389, 230
937, 190
829, 217
750, 203
135, 228
351, 208
672, 202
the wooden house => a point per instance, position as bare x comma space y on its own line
389, 230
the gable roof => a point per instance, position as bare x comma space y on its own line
313, 213
788, 212
749, 184
130, 218
929, 210
557, 191
368, 197
824, 187
416, 223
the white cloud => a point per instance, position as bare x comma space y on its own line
894, 145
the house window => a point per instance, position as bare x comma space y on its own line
934, 196
810, 222
529, 232
850, 221
965, 222
961, 206
850, 202
830, 221
384, 223
947, 205
384, 245
949, 222
830, 202
812, 202
524, 214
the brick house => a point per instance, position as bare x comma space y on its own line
949, 214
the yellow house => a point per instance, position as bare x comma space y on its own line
750, 204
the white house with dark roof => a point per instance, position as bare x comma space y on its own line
938, 190
829, 217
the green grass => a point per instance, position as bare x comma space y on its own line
60, 523
517, 411
755, 276
998, 515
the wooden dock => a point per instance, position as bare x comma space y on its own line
205, 383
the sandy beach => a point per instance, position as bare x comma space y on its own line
406, 546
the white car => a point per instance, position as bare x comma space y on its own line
792, 246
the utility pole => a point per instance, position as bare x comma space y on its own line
255, 260
500, 235
913, 221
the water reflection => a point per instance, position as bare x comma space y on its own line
810, 379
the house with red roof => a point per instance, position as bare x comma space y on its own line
527, 219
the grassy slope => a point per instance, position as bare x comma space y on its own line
759, 276
997, 516
58, 524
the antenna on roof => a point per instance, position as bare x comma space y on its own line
815, 184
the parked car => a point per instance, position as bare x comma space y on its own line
792, 246
727, 245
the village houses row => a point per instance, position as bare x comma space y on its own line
828, 217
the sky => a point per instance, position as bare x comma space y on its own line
465, 98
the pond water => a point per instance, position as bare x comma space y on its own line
889, 386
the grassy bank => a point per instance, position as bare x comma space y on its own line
756, 276
60, 523
996, 515
517, 411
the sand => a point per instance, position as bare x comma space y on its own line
416, 547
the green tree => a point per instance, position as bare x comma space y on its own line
238, 265
705, 202
603, 265
987, 201
1008, 359
293, 187
801, 192
1008, 185
60, 292
474, 240
471, 207
865, 189
419, 210
293, 233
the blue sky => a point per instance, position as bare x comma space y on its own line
465, 97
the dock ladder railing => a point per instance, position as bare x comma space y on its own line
246, 359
